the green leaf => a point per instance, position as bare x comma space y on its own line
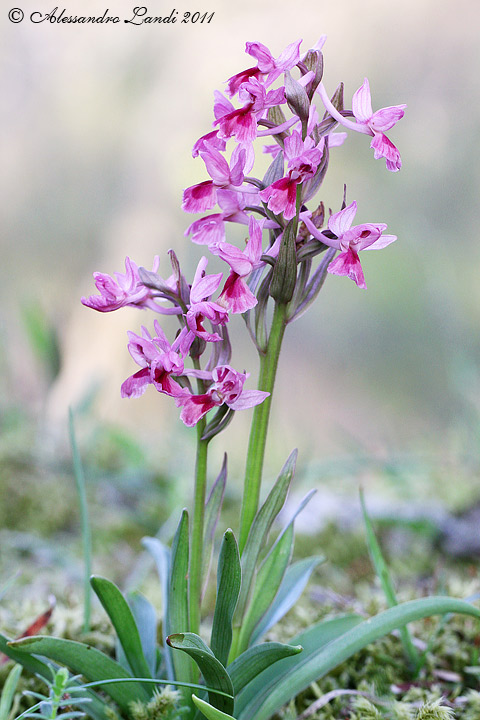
293, 584
96, 708
256, 659
269, 577
212, 669
8, 691
212, 512
229, 578
124, 623
161, 554
384, 576
260, 529
276, 686
146, 621
178, 612
210, 712
87, 661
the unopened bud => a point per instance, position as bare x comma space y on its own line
297, 98
285, 270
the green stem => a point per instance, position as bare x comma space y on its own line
261, 415
196, 545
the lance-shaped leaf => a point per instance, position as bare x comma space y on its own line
261, 527
212, 669
178, 613
96, 707
125, 626
213, 506
268, 580
293, 584
87, 661
229, 578
146, 620
8, 691
263, 697
161, 555
210, 712
256, 659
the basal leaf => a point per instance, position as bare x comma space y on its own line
146, 620
256, 659
276, 686
96, 708
212, 669
229, 578
8, 691
261, 527
212, 512
87, 661
210, 712
125, 626
178, 612
292, 586
267, 583
162, 556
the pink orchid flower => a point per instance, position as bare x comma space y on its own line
227, 387
236, 296
203, 196
158, 360
303, 160
210, 230
378, 122
266, 65
127, 289
202, 308
350, 240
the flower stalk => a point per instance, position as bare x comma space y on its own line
259, 428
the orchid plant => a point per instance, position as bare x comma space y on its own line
292, 244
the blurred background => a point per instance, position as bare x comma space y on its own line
96, 132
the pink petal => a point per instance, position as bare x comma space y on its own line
217, 166
248, 399
205, 287
237, 259
383, 147
289, 57
236, 296
194, 407
262, 54
362, 103
136, 384
384, 119
382, 242
341, 221
199, 198
348, 263
209, 230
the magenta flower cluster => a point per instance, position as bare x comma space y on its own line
273, 208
